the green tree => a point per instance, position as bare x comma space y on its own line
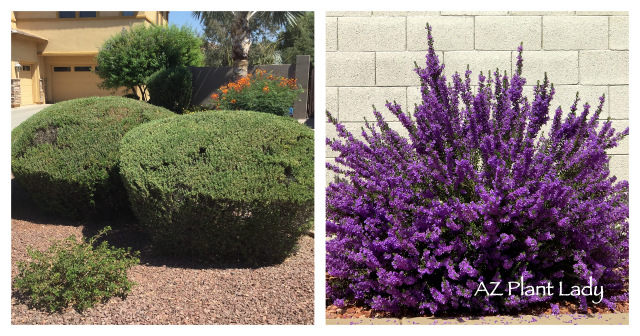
241, 33
297, 39
217, 42
129, 57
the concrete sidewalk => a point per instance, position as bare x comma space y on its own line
562, 319
22, 113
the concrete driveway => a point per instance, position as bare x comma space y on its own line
22, 113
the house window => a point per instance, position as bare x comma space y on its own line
65, 15
128, 13
26, 68
62, 69
87, 14
82, 68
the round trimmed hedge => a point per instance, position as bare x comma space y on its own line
224, 186
66, 156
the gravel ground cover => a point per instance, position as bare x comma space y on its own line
170, 291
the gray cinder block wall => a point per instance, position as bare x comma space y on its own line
370, 59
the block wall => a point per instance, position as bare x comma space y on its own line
370, 59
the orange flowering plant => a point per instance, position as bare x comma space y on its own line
260, 92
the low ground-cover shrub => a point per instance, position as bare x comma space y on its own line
260, 92
170, 88
226, 186
477, 197
66, 156
76, 273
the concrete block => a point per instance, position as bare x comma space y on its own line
390, 13
507, 32
348, 13
397, 68
619, 102
619, 32
604, 67
332, 34
560, 66
433, 13
332, 101
456, 61
602, 13
530, 13
372, 34
619, 167
449, 33
414, 97
355, 103
351, 69
492, 13
575, 32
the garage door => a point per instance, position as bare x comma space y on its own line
26, 85
71, 82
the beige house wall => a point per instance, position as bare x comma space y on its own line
25, 51
78, 34
68, 42
370, 57
90, 88
13, 20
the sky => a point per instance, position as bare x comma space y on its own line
185, 18
180, 18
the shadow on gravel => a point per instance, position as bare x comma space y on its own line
23, 208
123, 234
138, 241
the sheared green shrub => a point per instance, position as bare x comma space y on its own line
66, 156
171, 88
225, 186
76, 273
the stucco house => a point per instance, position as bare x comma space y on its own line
53, 53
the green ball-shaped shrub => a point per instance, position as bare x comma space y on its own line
171, 88
66, 156
224, 186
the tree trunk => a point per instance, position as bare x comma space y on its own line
241, 43
141, 92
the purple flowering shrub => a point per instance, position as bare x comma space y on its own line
475, 193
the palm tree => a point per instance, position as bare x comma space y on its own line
241, 32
